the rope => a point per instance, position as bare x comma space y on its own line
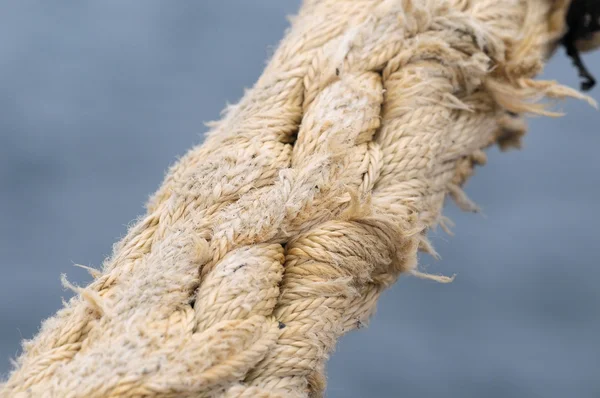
305, 202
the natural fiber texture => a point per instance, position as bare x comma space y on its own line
311, 196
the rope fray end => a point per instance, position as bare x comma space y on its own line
524, 95
358, 207
437, 278
446, 224
92, 298
427, 247
92, 271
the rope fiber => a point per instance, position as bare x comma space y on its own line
308, 199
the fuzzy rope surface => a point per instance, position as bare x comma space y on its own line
311, 196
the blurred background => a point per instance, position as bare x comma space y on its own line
99, 98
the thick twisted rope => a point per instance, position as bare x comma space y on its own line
312, 195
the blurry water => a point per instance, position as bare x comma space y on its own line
98, 98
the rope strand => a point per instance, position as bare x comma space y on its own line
306, 201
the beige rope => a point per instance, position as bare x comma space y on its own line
278, 234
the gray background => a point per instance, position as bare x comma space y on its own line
98, 98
